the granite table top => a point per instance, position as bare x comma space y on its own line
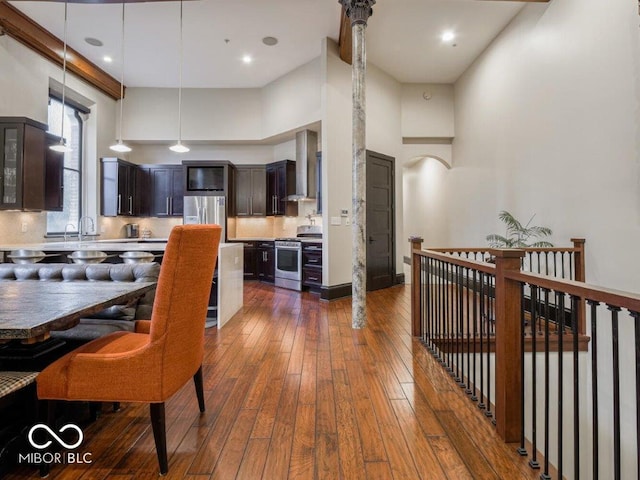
30, 309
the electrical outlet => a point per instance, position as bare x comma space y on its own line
25, 227
347, 221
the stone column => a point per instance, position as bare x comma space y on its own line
358, 12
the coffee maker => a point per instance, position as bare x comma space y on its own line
132, 230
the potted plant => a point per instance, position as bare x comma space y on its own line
518, 235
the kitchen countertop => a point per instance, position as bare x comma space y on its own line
265, 239
103, 245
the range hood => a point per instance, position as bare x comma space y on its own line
306, 163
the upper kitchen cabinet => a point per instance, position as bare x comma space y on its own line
22, 164
166, 184
281, 182
54, 176
251, 191
119, 188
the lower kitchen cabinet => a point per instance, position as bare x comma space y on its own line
266, 261
312, 265
250, 261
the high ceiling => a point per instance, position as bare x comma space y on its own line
403, 37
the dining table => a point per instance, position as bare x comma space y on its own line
30, 309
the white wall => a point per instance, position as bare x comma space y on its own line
151, 114
427, 110
224, 114
383, 100
546, 122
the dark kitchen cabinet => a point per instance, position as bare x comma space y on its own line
119, 188
54, 176
250, 261
266, 261
22, 164
251, 191
281, 182
166, 187
312, 265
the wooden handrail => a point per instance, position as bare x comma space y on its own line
462, 262
618, 298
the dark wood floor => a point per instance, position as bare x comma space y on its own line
293, 392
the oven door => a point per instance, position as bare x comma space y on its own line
289, 262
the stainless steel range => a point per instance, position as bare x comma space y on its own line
288, 263
289, 257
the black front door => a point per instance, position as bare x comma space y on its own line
380, 232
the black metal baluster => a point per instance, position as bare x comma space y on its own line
440, 311
562, 264
458, 338
481, 404
576, 392
555, 264
425, 305
545, 475
636, 331
449, 319
490, 302
546, 263
530, 255
616, 391
476, 299
538, 261
522, 450
467, 382
533, 463
560, 326
594, 386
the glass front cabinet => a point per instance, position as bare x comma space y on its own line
22, 164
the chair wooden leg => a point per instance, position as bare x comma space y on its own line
50, 408
197, 381
159, 435
94, 408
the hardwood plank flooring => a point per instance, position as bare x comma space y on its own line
292, 392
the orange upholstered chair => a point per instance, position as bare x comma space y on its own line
153, 363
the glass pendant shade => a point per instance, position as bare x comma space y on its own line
62, 146
119, 146
179, 147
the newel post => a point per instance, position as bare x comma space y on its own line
508, 346
416, 324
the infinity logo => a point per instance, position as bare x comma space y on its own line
42, 426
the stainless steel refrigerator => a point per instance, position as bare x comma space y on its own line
206, 209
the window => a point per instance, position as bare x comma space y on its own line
69, 216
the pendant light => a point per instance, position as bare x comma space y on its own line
119, 146
62, 146
179, 147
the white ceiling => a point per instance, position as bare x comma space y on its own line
403, 37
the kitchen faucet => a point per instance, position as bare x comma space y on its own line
93, 226
66, 231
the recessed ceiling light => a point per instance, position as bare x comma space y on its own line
270, 41
93, 41
448, 36
247, 59
107, 59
